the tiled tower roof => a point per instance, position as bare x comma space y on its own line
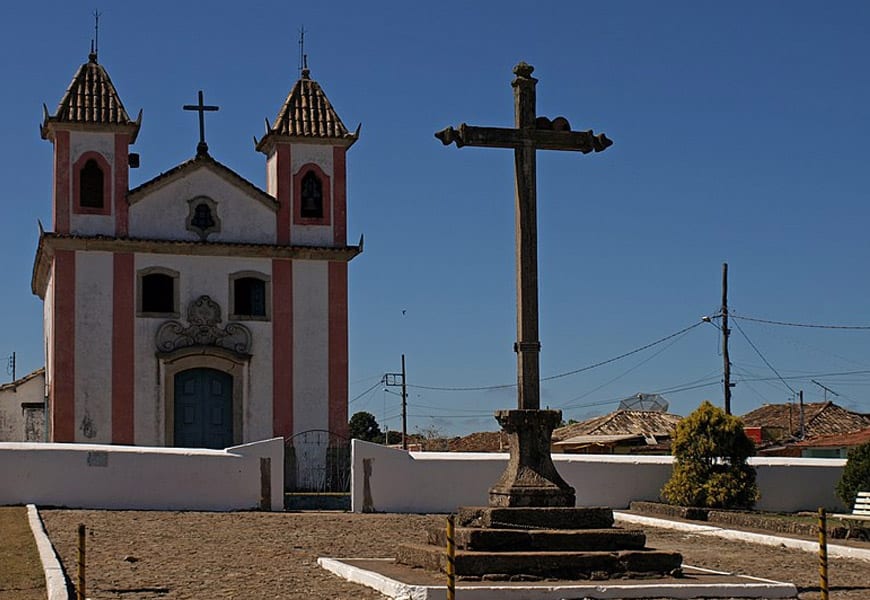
90, 99
307, 113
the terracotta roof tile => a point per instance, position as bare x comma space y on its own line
91, 98
838, 440
622, 422
308, 113
820, 418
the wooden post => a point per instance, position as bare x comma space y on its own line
80, 584
725, 331
823, 555
451, 559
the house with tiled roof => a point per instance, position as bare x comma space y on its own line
198, 309
619, 432
791, 421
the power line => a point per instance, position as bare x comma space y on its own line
358, 396
757, 351
809, 325
565, 374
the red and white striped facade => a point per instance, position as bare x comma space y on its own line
107, 379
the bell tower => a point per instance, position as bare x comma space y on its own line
305, 150
91, 133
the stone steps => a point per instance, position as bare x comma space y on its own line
535, 518
469, 538
557, 564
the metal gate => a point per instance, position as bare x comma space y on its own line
317, 461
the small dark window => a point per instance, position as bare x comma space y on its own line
202, 218
91, 185
250, 297
312, 197
158, 293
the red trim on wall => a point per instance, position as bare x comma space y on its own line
122, 180
122, 349
107, 185
338, 347
283, 193
61, 182
297, 194
63, 388
282, 348
339, 171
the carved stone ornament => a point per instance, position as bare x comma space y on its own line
202, 218
203, 329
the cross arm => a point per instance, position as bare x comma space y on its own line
542, 139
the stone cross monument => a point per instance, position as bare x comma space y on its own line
530, 479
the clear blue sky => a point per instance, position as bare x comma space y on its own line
740, 135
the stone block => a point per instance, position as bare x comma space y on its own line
534, 518
540, 539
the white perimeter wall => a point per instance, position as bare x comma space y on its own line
137, 478
390, 480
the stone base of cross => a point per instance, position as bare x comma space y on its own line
531, 478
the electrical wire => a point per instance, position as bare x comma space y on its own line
566, 373
809, 325
358, 396
770, 366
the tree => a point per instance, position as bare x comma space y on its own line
856, 474
364, 426
710, 452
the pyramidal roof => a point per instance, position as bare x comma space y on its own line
90, 99
308, 113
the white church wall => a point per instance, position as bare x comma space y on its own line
320, 155
48, 337
103, 143
201, 275
310, 345
93, 347
140, 478
391, 480
272, 174
20, 419
163, 213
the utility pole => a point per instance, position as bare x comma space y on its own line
392, 380
10, 367
801, 429
404, 408
725, 331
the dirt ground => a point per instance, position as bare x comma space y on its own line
21, 575
147, 555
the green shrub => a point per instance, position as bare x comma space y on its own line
856, 474
710, 451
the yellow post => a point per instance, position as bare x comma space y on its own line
451, 557
80, 586
823, 555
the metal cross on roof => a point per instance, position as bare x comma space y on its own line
201, 147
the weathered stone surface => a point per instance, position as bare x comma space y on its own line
538, 518
530, 478
540, 539
563, 565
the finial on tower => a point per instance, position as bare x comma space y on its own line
303, 58
95, 42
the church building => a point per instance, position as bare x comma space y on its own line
196, 309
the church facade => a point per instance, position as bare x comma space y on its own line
196, 309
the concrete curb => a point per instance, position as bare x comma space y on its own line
752, 587
55, 580
834, 550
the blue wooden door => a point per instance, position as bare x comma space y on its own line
203, 409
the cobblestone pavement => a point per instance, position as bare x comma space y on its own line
185, 555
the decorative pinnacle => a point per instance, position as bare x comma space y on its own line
523, 69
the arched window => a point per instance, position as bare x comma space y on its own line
157, 293
91, 185
311, 201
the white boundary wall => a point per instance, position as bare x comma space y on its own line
390, 480
139, 478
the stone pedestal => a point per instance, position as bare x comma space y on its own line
531, 478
